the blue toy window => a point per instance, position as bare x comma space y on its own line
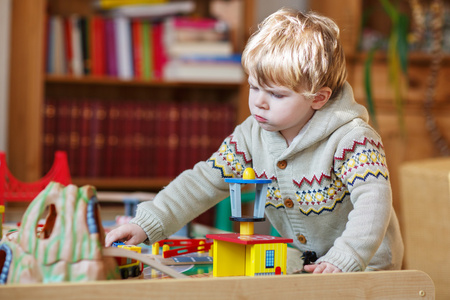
270, 258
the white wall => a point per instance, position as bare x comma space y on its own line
266, 7
5, 17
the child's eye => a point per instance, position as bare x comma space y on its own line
252, 87
279, 96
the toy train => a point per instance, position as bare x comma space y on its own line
129, 267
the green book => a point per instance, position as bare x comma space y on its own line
147, 62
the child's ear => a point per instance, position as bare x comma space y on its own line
321, 98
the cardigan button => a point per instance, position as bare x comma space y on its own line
282, 164
301, 238
289, 203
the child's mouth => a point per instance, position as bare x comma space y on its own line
260, 119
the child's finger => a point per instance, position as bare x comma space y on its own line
310, 268
111, 237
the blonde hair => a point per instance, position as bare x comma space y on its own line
298, 51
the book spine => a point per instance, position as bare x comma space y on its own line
190, 23
138, 140
110, 42
125, 140
85, 53
50, 114
113, 135
77, 60
123, 47
159, 52
146, 50
185, 132
63, 124
136, 27
172, 139
85, 138
161, 139
204, 137
149, 132
68, 44
96, 160
97, 43
73, 153
194, 138
59, 55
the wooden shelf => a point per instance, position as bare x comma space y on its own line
53, 79
123, 183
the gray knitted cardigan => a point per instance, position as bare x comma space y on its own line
331, 194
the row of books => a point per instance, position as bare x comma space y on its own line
177, 48
133, 138
100, 46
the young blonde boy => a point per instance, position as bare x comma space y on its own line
330, 189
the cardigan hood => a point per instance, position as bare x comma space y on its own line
337, 112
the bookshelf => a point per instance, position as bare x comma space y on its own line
30, 86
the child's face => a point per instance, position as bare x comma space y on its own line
278, 108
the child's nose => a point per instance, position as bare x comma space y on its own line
261, 101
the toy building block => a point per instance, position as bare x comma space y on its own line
185, 246
246, 253
129, 267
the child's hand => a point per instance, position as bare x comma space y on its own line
322, 268
130, 234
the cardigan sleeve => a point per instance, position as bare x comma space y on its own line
360, 163
193, 192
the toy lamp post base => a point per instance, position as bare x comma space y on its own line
247, 228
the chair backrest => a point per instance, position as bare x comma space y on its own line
14, 190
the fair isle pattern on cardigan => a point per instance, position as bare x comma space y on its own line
325, 190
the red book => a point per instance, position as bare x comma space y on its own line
149, 134
112, 141
68, 44
229, 121
222, 125
125, 145
49, 145
63, 124
206, 116
136, 35
73, 153
193, 23
162, 132
138, 140
173, 139
97, 44
194, 139
159, 51
96, 159
184, 161
85, 138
